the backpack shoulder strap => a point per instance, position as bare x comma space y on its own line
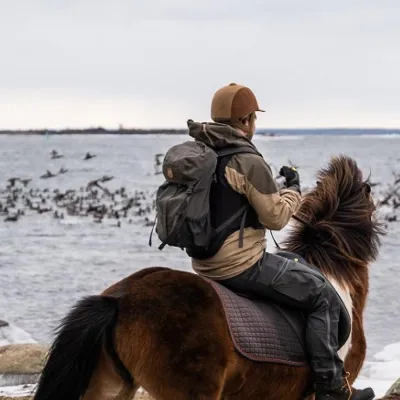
242, 212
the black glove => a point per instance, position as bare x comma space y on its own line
292, 178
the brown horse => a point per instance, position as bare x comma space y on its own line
166, 330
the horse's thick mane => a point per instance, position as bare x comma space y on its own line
338, 233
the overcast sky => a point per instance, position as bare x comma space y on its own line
156, 63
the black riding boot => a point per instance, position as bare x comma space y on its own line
344, 392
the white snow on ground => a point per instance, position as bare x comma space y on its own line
382, 371
25, 390
15, 391
12, 334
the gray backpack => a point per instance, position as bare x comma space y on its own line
182, 202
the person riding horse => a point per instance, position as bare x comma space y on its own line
249, 268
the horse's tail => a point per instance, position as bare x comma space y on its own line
76, 349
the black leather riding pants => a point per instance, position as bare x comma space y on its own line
293, 284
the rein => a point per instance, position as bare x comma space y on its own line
302, 221
297, 219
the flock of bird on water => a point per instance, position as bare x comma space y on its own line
94, 200
98, 202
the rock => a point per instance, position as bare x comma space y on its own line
21, 363
139, 396
394, 389
15, 398
22, 358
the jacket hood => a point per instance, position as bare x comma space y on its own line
217, 135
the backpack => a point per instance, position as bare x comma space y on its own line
182, 202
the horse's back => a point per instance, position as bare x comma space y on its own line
178, 307
172, 334
170, 321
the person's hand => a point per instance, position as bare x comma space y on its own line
292, 177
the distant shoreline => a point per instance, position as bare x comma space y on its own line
94, 131
161, 131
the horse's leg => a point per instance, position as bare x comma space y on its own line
355, 358
106, 384
163, 379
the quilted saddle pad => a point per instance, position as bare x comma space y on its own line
263, 331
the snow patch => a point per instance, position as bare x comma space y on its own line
382, 372
10, 334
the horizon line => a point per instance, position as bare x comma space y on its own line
91, 128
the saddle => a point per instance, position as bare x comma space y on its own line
264, 331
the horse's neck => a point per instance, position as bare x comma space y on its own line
344, 293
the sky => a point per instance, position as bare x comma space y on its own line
157, 63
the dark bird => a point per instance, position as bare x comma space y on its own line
96, 183
158, 163
54, 154
12, 218
25, 182
47, 175
88, 156
157, 158
12, 181
106, 178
